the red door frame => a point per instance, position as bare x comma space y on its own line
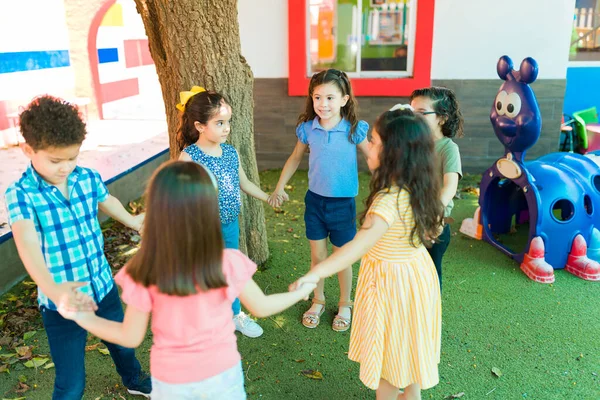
298, 80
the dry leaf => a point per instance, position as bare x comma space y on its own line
93, 346
4, 368
49, 365
104, 351
299, 360
312, 374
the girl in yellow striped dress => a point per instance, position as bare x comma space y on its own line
396, 333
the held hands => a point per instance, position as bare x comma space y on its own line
138, 222
277, 198
308, 280
71, 302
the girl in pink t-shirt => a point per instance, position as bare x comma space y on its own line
184, 277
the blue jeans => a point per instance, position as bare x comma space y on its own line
438, 249
231, 237
67, 342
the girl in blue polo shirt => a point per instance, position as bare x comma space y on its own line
330, 127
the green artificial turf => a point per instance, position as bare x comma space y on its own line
541, 340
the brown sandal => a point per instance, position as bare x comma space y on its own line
341, 324
312, 319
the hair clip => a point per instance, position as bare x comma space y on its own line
401, 106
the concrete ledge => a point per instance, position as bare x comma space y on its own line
127, 186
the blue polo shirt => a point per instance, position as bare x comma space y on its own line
332, 161
68, 230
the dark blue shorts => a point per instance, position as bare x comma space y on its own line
333, 217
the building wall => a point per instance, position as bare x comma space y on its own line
469, 37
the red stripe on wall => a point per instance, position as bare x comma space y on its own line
137, 53
112, 91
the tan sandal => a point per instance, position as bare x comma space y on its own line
341, 324
311, 319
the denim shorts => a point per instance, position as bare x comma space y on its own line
333, 217
228, 385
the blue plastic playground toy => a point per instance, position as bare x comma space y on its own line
558, 194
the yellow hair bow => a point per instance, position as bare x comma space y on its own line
184, 97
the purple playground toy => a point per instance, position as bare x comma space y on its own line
558, 194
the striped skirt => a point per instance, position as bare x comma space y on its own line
396, 329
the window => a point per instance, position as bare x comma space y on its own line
585, 38
383, 45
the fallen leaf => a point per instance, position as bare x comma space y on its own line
312, 374
36, 362
290, 230
4, 368
22, 378
49, 365
93, 346
299, 360
496, 371
24, 352
21, 387
104, 351
456, 396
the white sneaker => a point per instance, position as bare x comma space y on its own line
246, 325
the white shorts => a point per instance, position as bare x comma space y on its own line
228, 385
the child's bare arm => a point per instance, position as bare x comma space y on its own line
249, 187
183, 156
449, 188
129, 333
372, 230
28, 246
364, 148
114, 209
261, 305
289, 169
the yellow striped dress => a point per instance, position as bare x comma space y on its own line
396, 329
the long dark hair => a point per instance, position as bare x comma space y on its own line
407, 160
446, 106
200, 107
182, 245
341, 80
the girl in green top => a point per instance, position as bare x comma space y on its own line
440, 109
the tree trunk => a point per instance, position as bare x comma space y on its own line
197, 42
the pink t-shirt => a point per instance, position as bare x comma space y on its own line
194, 336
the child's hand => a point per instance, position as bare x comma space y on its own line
310, 279
278, 197
138, 222
69, 300
305, 289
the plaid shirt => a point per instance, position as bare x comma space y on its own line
68, 230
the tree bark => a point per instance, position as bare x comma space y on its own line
197, 42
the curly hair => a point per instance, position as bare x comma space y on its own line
51, 122
341, 80
445, 105
201, 107
407, 160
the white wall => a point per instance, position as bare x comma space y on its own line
264, 36
470, 36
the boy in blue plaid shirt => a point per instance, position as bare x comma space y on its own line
53, 213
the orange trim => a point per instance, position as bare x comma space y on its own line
93, 53
298, 80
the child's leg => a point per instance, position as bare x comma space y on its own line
345, 280
438, 249
67, 348
411, 392
387, 391
318, 253
124, 358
